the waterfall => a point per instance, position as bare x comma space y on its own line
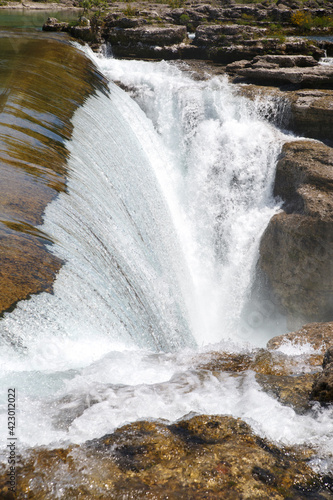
169, 190
167, 199
216, 167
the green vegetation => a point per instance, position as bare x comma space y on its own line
304, 21
130, 11
87, 5
186, 21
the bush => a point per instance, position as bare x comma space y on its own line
304, 21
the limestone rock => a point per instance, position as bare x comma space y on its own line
296, 250
215, 457
306, 112
290, 390
317, 335
84, 33
52, 24
311, 114
216, 35
148, 35
300, 70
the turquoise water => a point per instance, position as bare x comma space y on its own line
33, 19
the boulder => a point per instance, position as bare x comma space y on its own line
214, 457
294, 379
84, 33
319, 336
296, 250
52, 24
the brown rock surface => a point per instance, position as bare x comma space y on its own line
311, 113
292, 378
211, 457
292, 391
317, 335
148, 35
296, 250
322, 389
302, 71
305, 112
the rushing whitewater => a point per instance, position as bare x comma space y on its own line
169, 192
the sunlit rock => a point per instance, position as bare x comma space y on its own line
202, 457
296, 248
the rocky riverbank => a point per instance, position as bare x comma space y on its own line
218, 31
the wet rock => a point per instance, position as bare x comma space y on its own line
277, 363
226, 362
306, 112
296, 249
290, 390
328, 358
317, 335
294, 379
322, 389
200, 457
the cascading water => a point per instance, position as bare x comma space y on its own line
159, 230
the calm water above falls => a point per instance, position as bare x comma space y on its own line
168, 195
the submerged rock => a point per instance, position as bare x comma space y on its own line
201, 457
34, 157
